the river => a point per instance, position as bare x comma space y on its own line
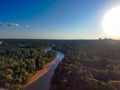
43, 83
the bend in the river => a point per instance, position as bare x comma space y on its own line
43, 83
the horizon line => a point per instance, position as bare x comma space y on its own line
61, 39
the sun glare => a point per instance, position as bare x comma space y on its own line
111, 22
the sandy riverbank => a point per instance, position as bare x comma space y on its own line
40, 73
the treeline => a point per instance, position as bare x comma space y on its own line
88, 66
18, 62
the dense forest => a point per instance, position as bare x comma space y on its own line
20, 59
88, 65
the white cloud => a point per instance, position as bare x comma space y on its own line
10, 24
1, 24
13, 25
26, 26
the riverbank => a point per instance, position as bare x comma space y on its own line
40, 73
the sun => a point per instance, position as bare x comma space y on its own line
111, 22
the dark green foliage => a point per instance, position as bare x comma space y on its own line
18, 62
88, 65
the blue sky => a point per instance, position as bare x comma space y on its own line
52, 19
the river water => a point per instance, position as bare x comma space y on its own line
43, 83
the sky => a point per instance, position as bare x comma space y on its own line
53, 19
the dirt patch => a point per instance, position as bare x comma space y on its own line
40, 73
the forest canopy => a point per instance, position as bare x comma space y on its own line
88, 65
20, 59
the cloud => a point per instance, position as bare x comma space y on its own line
10, 24
13, 25
1, 24
26, 26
